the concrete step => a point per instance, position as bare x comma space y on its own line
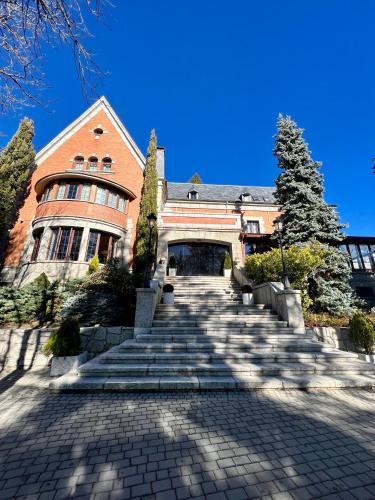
76, 383
211, 308
265, 330
219, 316
215, 357
244, 322
224, 369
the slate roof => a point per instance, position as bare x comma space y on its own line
217, 192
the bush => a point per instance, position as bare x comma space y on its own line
93, 265
247, 289
227, 261
168, 288
172, 262
66, 340
362, 332
324, 319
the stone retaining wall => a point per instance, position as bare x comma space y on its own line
336, 336
20, 348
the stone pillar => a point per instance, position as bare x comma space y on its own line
290, 308
145, 308
84, 242
45, 243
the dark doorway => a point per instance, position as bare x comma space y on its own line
198, 259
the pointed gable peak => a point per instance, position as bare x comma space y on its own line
100, 104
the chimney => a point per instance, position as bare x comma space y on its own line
160, 161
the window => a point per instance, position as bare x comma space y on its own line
65, 243
121, 203
78, 162
193, 195
93, 163
101, 195
37, 239
85, 192
110, 198
252, 226
364, 292
366, 257
61, 191
72, 192
101, 244
98, 131
47, 195
106, 164
246, 197
356, 258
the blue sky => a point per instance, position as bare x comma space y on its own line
211, 77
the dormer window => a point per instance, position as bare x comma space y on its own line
107, 164
78, 162
246, 197
93, 163
193, 195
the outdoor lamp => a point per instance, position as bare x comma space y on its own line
286, 282
151, 220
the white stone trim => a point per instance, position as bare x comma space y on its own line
221, 206
70, 130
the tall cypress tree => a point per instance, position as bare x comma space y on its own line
148, 206
17, 161
306, 216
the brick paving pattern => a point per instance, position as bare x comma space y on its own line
271, 445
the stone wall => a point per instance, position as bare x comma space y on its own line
336, 336
21, 348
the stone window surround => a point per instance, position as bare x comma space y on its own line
47, 223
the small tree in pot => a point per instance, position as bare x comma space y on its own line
168, 295
247, 295
227, 265
172, 266
65, 346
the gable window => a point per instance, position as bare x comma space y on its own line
93, 163
193, 195
37, 240
245, 197
106, 164
65, 243
79, 162
252, 226
101, 244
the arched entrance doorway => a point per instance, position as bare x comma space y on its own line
198, 258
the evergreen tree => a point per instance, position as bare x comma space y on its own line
148, 206
306, 216
16, 164
195, 179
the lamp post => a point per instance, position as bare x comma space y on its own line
286, 282
151, 221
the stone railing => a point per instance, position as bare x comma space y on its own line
240, 276
148, 299
286, 303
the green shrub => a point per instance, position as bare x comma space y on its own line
172, 262
362, 332
227, 261
93, 265
65, 341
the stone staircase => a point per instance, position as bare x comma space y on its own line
209, 340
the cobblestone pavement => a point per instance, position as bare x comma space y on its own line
270, 445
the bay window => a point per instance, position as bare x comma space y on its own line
37, 240
65, 243
101, 244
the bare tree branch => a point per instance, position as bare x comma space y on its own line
25, 27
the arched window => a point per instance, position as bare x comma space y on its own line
106, 164
193, 195
93, 163
78, 162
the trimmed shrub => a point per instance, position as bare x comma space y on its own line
168, 288
362, 332
227, 261
66, 340
172, 262
93, 265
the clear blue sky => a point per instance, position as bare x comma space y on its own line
211, 77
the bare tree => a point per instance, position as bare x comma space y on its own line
26, 26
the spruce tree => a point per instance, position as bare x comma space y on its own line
148, 206
195, 179
306, 216
17, 161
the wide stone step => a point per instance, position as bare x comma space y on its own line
264, 329
208, 317
75, 383
224, 336
215, 357
225, 369
223, 322
211, 308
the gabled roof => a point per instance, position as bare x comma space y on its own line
217, 192
100, 104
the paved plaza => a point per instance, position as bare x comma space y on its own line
275, 445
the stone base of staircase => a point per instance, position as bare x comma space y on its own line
208, 340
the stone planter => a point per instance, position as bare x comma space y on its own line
247, 299
172, 271
168, 298
61, 365
227, 273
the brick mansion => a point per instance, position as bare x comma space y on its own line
85, 197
